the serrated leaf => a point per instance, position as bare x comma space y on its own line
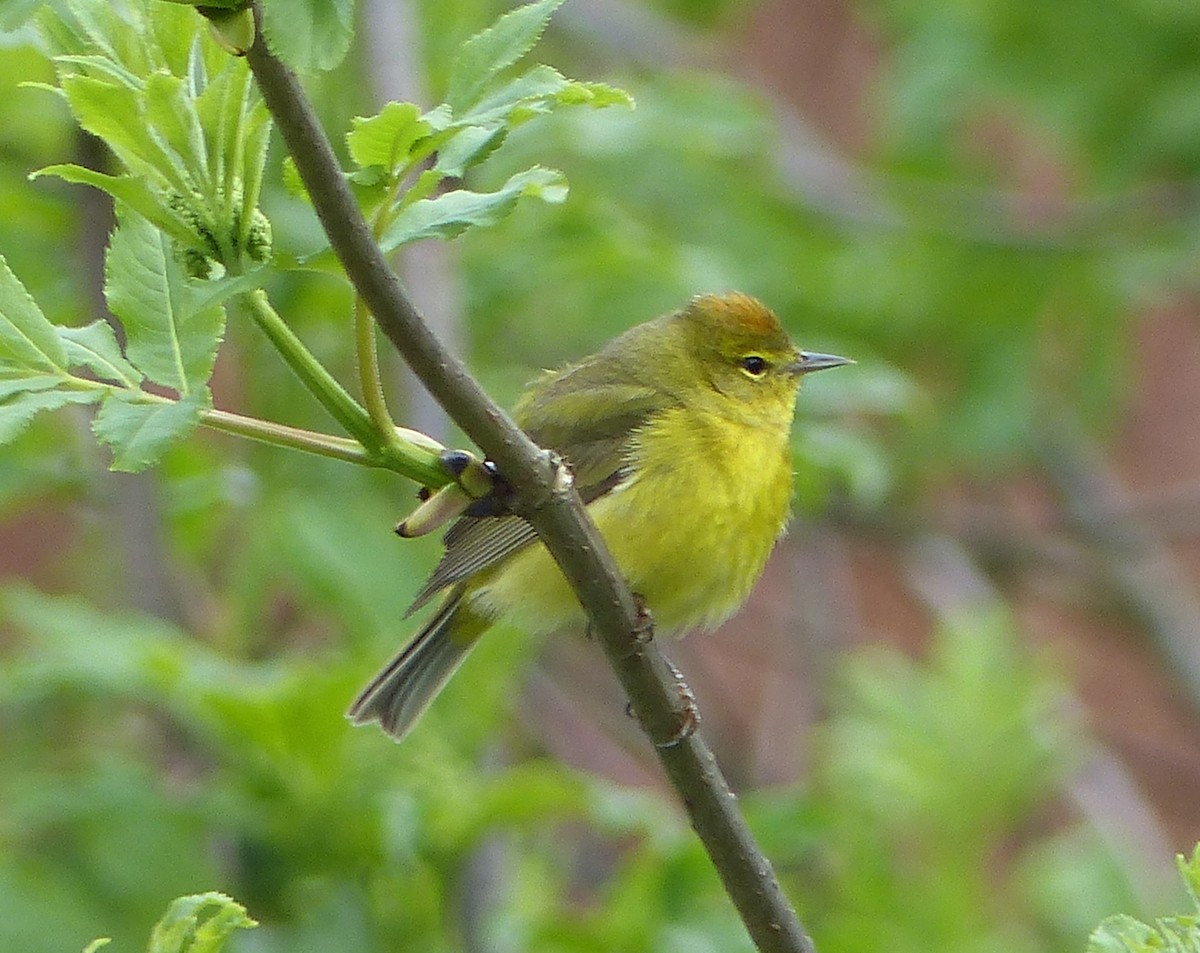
310, 35
172, 113
539, 90
255, 138
486, 54
290, 176
216, 291
114, 114
140, 429
94, 63
469, 147
19, 409
133, 191
27, 340
21, 382
200, 923
1189, 870
539, 83
95, 347
169, 339
449, 215
386, 138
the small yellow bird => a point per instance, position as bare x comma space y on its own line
677, 433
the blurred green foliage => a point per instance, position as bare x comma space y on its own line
1179, 934
147, 757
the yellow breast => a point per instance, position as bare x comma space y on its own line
691, 528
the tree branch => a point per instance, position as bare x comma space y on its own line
546, 497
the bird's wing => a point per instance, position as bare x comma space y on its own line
591, 433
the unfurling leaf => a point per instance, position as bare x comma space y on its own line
200, 923
448, 215
386, 138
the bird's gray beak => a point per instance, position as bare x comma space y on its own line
810, 361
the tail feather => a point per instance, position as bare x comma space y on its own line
401, 692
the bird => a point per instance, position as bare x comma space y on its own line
677, 433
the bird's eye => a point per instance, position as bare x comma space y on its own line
754, 365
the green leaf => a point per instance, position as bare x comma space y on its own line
538, 90
106, 67
97, 944
172, 113
469, 147
1189, 870
115, 114
486, 54
134, 192
139, 429
27, 340
290, 176
255, 138
386, 138
95, 346
1124, 934
170, 340
310, 35
449, 215
19, 409
21, 382
199, 924
216, 291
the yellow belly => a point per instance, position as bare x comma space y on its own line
691, 529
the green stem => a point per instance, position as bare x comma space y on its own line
419, 463
320, 383
407, 452
281, 435
409, 458
368, 369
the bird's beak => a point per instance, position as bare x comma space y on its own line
810, 361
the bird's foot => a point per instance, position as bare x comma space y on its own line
643, 622
688, 711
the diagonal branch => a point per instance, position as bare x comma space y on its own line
546, 497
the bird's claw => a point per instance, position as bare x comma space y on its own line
688, 711
643, 623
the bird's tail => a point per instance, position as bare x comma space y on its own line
398, 695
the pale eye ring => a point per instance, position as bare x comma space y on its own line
754, 365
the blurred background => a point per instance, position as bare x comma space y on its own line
962, 709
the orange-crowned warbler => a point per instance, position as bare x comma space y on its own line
677, 433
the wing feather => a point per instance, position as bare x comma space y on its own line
586, 416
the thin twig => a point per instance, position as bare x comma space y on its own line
546, 497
